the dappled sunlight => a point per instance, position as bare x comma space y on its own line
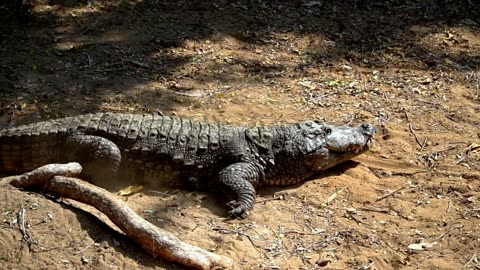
455, 48
116, 36
62, 10
411, 68
193, 49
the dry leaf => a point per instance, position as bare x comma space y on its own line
351, 210
474, 147
130, 190
421, 246
331, 198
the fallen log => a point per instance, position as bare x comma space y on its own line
58, 180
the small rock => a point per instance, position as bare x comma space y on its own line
322, 262
339, 241
116, 242
34, 206
84, 260
421, 246
351, 210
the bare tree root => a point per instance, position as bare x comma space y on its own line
40, 176
157, 242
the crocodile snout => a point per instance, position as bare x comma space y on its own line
368, 129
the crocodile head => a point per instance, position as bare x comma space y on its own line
326, 146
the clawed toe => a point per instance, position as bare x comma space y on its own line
239, 211
233, 204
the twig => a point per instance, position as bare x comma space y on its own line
446, 149
390, 193
249, 237
469, 261
406, 114
423, 144
461, 160
137, 63
440, 237
270, 199
410, 127
305, 233
45, 249
159, 192
471, 211
368, 266
83, 249
381, 174
89, 59
81, 33
378, 210
356, 219
436, 104
408, 174
10, 121
26, 235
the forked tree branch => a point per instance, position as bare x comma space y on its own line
57, 180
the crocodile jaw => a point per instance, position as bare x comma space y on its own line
342, 144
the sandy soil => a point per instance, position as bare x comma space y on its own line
410, 67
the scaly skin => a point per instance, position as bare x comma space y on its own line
177, 152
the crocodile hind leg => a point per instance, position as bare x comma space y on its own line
237, 180
99, 157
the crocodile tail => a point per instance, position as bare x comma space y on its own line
27, 147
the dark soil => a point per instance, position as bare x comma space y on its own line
412, 68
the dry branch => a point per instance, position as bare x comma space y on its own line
410, 127
390, 193
40, 176
155, 241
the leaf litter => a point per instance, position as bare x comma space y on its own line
411, 202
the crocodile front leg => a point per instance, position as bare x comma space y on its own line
99, 156
237, 180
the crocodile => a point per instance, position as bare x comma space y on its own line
170, 151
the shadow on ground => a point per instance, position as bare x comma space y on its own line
70, 57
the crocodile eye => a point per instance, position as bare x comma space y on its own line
327, 130
366, 126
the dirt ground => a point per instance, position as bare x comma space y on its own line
412, 68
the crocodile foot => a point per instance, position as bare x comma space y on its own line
239, 210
